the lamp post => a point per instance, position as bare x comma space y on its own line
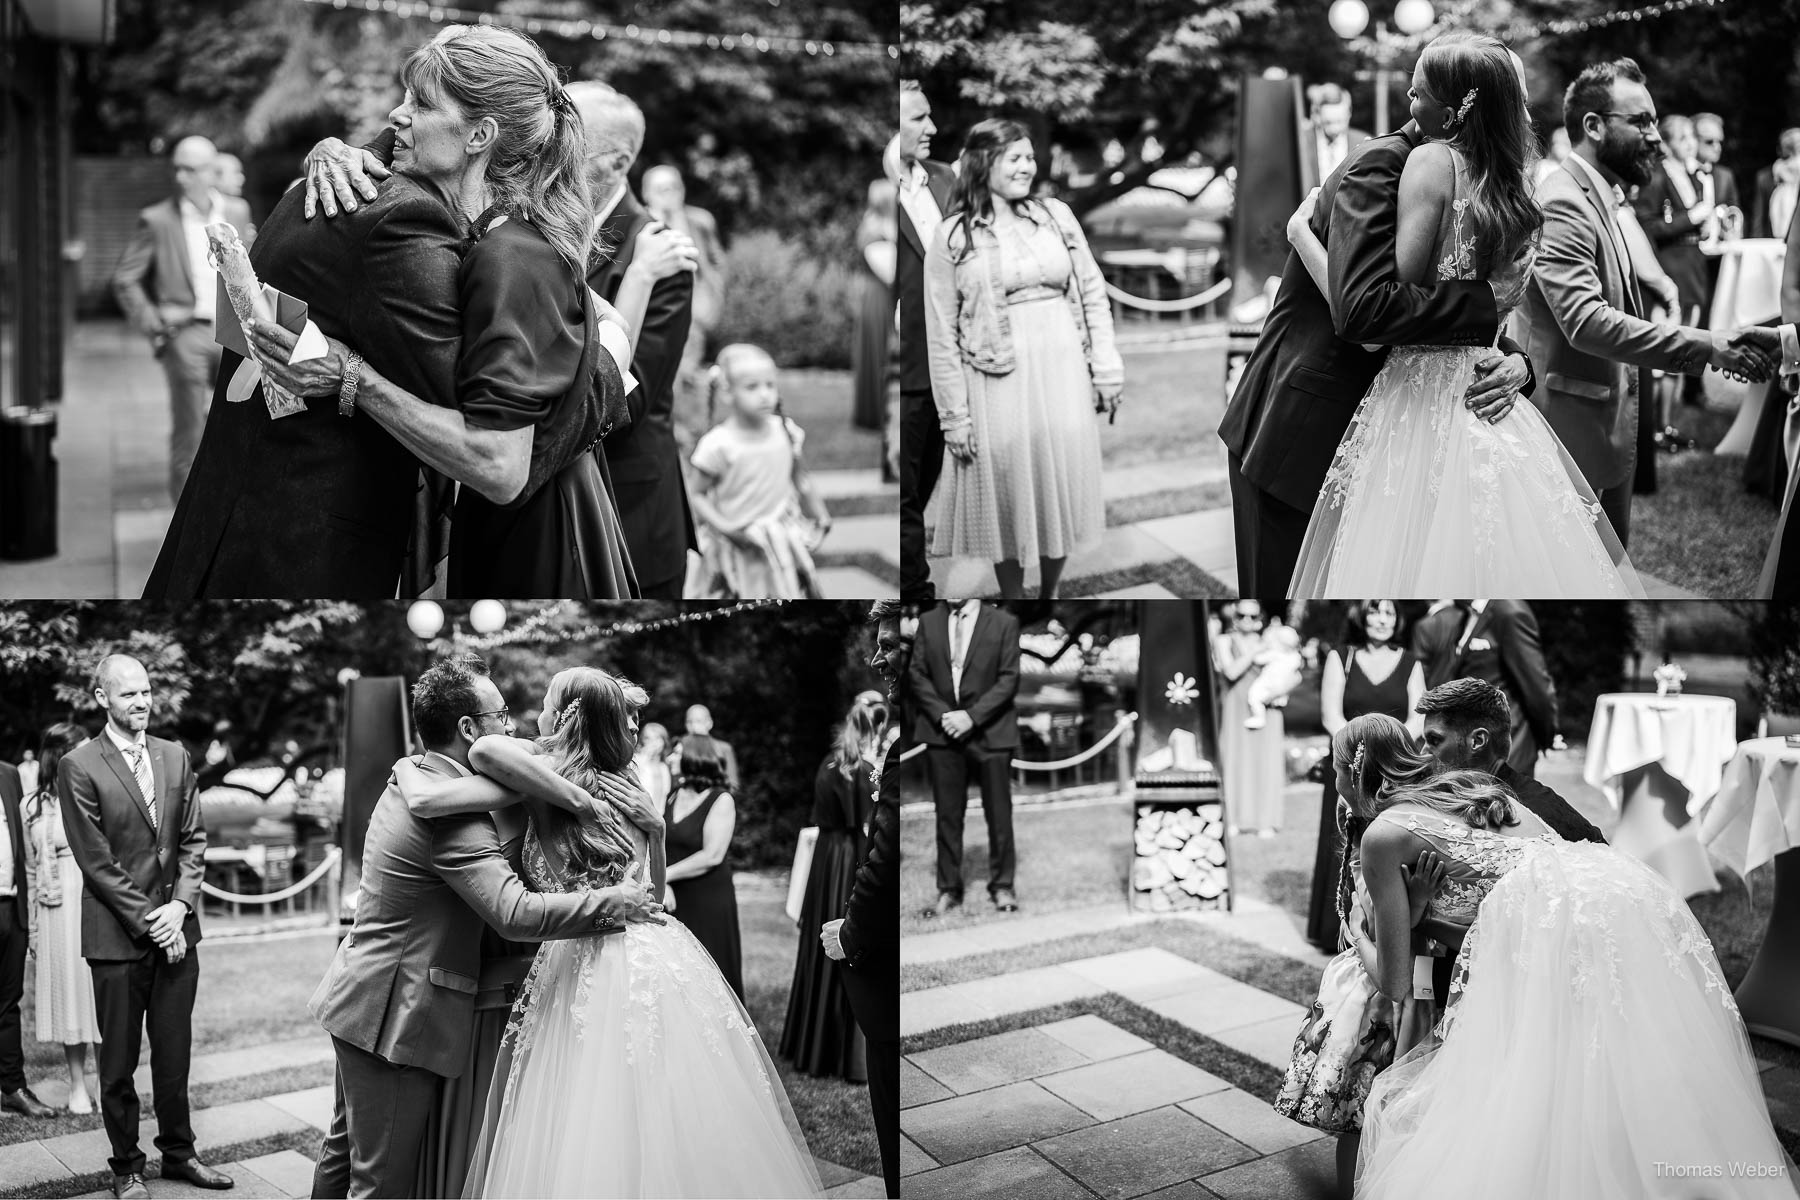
1348, 19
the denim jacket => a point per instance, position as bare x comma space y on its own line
966, 320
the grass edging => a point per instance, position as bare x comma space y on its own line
305, 1141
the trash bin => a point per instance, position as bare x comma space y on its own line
27, 483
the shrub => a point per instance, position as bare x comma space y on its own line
1775, 661
799, 307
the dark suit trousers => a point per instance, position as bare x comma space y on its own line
669, 589
380, 1111
1269, 534
921, 461
949, 766
884, 1104
149, 992
14, 941
1615, 502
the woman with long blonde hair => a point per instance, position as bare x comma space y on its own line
615, 1037
1585, 996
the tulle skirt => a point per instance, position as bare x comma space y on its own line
1592, 1051
630, 1069
1424, 499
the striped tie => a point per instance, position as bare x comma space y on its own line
140, 766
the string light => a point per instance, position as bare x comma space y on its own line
532, 631
1584, 24
599, 31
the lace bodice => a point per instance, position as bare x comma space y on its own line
1033, 259
545, 876
1474, 860
1457, 253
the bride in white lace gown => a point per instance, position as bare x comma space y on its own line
629, 1068
1591, 1049
1425, 498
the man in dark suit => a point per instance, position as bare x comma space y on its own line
317, 503
1468, 727
645, 463
866, 939
1496, 641
1310, 368
699, 724
1762, 218
924, 201
16, 879
166, 284
1328, 136
399, 998
963, 677
131, 810
1674, 210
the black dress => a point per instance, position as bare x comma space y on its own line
706, 904
820, 1036
531, 358
1362, 696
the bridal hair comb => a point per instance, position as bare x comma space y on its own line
567, 712
1462, 112
1356, 761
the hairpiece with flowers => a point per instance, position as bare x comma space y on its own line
1462, 111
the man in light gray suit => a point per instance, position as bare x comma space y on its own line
1583, 323
166, 285
399, 998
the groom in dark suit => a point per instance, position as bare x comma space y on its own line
131, 810
924, 202
644, 461
963, 678
319, 504
399, 998
1310, 369
1496, 641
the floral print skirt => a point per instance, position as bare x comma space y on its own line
1338, 1052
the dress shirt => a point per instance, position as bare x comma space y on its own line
969, 611
194, 221
921, 205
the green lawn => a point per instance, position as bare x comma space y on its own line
1173, 401
255, 992
819, 402
1700, 530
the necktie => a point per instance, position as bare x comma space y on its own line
140, 767
1639, 255
959, 637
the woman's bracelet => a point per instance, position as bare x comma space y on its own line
352, 376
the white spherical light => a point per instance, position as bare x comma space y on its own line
1348, 17
487, 616
347, 676
425, 618
1414, 16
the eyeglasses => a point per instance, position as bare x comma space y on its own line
502, 711
1644, 121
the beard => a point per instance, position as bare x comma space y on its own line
1634, 166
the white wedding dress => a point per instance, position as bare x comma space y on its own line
1591, 1050
1425, 499
630, 1069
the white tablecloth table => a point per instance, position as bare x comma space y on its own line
1749, 293
1756, 818
1659, 759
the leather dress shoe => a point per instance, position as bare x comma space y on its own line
945, 902
130, 1187
23, 1102
195, 1172
1005, 901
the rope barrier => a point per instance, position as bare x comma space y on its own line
1120, 724
331, 860
1166, 306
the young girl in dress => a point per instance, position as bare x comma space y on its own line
1341, 1048
759, 517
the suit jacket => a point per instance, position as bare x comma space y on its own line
1663, 214
727, 758
1309, 154
128, 866
990, 679
154, 280
1554, 811
1725, 188
1759, 216
1582, 323
870, 934
644, 460
12, 803
1309, 370
315, 504
1504, 649
1434, 644
909, 283
404, 981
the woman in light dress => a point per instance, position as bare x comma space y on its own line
1424, 498
1590, 1041
65, 986
1253, 760
1020, 340
628, 1068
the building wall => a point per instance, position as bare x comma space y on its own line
108, 194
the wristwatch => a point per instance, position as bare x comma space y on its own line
347, 392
